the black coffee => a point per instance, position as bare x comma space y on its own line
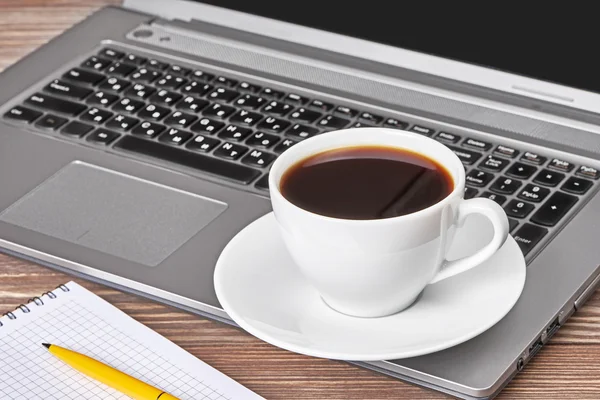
369, 182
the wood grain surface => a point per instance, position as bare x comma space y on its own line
567, 368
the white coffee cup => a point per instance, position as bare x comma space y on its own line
373, 268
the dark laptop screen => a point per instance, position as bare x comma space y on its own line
558, 49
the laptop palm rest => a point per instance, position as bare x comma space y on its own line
114, 213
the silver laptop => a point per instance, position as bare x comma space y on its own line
136, 144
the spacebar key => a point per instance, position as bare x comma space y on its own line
235, 172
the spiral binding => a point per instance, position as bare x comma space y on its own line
37, 301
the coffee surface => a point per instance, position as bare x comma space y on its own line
366, 182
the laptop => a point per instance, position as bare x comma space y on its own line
135, 145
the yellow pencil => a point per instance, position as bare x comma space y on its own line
109, 376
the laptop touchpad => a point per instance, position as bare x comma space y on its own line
113, 213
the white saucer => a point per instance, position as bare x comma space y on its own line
262, 290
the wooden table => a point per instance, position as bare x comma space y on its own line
567, 368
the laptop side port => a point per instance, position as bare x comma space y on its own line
551, 329
534, 348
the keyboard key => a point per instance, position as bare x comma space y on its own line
494, 164
296, 99
50, 122
576, 185
345, 112
96, 115
114, 84
192, 104
554, 209
67, 89
111, 53
83, 76
277, 108
235, 133
207, 125
548, 178
197, 88
467, 157
422, 130
518, 209
304, 115
263, 183
230, 151
359, 124
321, 105
534, 193
506, 151
54, 104
258, 158
512, 224
179, 70
102, 136
528, 236
218, 110
533, 158
102, 98
250, 102
76, 128
505, 185
165, 97
329, 121
447, 137
284, 145
249, 87
180, 119
202, 76
273, 124
560, 165
394, 123
170, 81
222, 94
128, 105
154, 112
175, 137
299, 131
159, 65
520, 170
245, 117
133, 59
122, 122
478, 178
231, 171
370, 118
477, 144
272, 93
120, 69
148, 129
140, 91
498, 198
22, 114
97, 63
470, 193
227, 82
261, 139
588, 172
202, 144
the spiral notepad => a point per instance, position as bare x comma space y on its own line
75, 318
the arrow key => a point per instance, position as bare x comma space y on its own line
554, 209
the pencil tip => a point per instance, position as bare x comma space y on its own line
46, 345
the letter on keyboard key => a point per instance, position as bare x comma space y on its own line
528, 236
554, 209
211, 165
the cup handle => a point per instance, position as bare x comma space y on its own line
497, 217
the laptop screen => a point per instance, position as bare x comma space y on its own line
489, 34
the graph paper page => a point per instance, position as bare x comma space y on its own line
81, 321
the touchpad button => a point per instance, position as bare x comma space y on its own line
114, 213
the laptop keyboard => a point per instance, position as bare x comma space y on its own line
235, 129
